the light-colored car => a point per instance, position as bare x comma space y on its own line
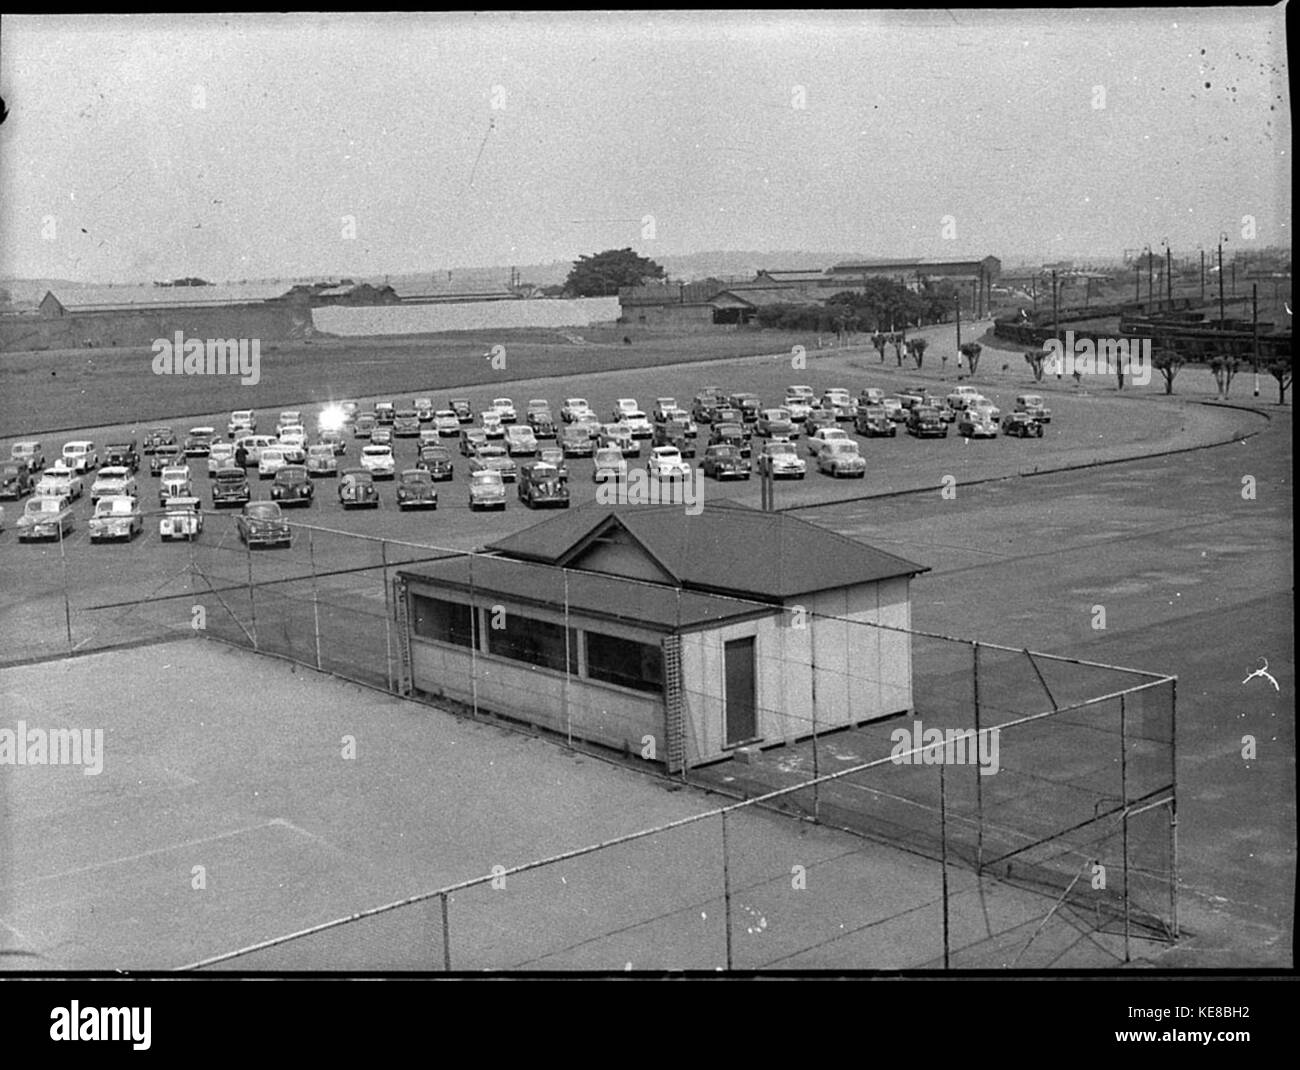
818, 441
972, 424
663, 406
609, 464
1032, 404
253, 445
45, 517
446, 423
378, 461
116, 516
620, 436
28, 451
573, 408
984, 407
842, 459
639, 424
322, 460
894, 409
220, 455
780, 460
175, 483
487, 490
496, 459
334, 439
776, 423
838, 401
623, 407
182, 520
241, 421
198, 441
80, 455
679, 415
667, 462
799, 408
59, 481
271, 460
492, 424
295, 437
424, 409
520, 441
505, 408
802, 391
113, 482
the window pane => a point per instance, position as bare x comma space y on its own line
534, 641
447, 622
625, 662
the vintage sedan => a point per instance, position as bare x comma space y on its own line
798, 407
776, 423
406, 424
262, 524
673, 433
520, 441
415, 490
45, 517
961, 395
726, 413
28, 452
725, 462
175, 483
322, 461
817, 442
364, 425
873, 422
424, 409
575, 442
492, 425
540, 487
819, 418
837, 401
663, 406
706, 403
894, 410
357, 489
199, 441
294, 437
494, 459
183, 519
620, 436
984, 407
1032, 405
446, 423
158, 436
780, 460
541, 421
553, 455
589, 424
681, 416
123, 454
505, 408
870, 395
730, 435
80, 455
116, 516
624, 406
487, 490
220, 455
113, 481
924, 421
667, 462
913, 396
842, 459
801, 390
381, 436
573, 408
471, 440
165, 457
463, 410
379, 461
293, 486
230, 487
333, 438
1022, 425
385, 413
972, 424
271, 460
242, 421
609, 464
748, 404
58, 481
15, 480
436, 460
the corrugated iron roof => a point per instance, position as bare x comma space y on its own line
114, 297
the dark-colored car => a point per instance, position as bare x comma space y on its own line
165, 456
262, 524
705, 406
364, 425
293, 486
415, 490
230, 487
575, 442
540, 486
730, 435
463, 409
924, 421
554, 455
673, 433
725, 462
471, 438
159, 436
122, 455
406, 424
357, 489
776, 423
748, 404
436, 460
15, 480
817, 419
1022, 425
542, 423
873, 422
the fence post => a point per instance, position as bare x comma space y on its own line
726, 885
1173, 802
812, 676
315, 602
943, 857
388, 616
1123, 791
67, 604
568, 713
252, 598
979, 786
446, 936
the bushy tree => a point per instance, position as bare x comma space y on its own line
1035, 359
917, 347
1169, 361
1224, 368
603, 274
971, 351
1280, 369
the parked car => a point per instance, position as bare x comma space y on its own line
505, 408
776, 423
819, 418
381, 436
986, 408
913, 396
1022, 425
873, 422
553, 455
681, 416
520, 441
364, 425
221, 454
114, 481
415, 490
59, 481
270, 461
333, 438
175, 483
406, 424
253, 446
463, 410
288, 418
748, 404
894, 410
622, 407
870, 395
638, 424
80, 455
706, 404
806, 393
321, 460
728, 414
924, 422
1032, 405
116, 516
30, 453
262, 524
357, 489
780, 460
573, 408
824, 435
436, 460
496, 459
293, 486
575, 442
230, 487
842, 459
385, 413
471, 439
379, 461
15, 480
241, 422
589, 425
620, 436
838, 402
123, 454
725, 462
424, 409
542, 422
609, 464
730, 435
798, 407
446, 423
541, 487
673, 433
182, 519
663, 406
294, 438
487, 490
973, 424
45, 517
667, 462
492, 424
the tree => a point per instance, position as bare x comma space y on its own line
602, 275
1169, 361
971, 351
1224, 368
898, 339
1035, 358
1279, 368
878, 341
917, 348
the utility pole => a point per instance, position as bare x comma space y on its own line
1254, 329
1202, 276
1222, 314
1169, 273
1056, 326
1150, 256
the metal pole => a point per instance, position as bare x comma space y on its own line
726, 885
1150, 281
812, 665
568, 714
474, 631
1169, 274
67, 604
388, 616
315, 602
1123, 791
1222, 314
252, 599
1202, 276
943, 861
1173, 802
446, 936
979, 780
1254, 329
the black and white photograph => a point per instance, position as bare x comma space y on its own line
647, 493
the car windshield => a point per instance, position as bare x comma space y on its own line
377, 451
608, 456
486, 478
781, 447
437, 453
263, 510
113, 507
359, 477
43, 505
724, 454
230, 475
488, 453
416, 476
291, 474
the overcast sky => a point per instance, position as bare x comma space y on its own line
237, 147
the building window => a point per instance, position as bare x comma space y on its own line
447, 622
625, 662
537, 642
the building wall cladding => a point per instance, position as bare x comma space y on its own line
140, 327
668, 317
